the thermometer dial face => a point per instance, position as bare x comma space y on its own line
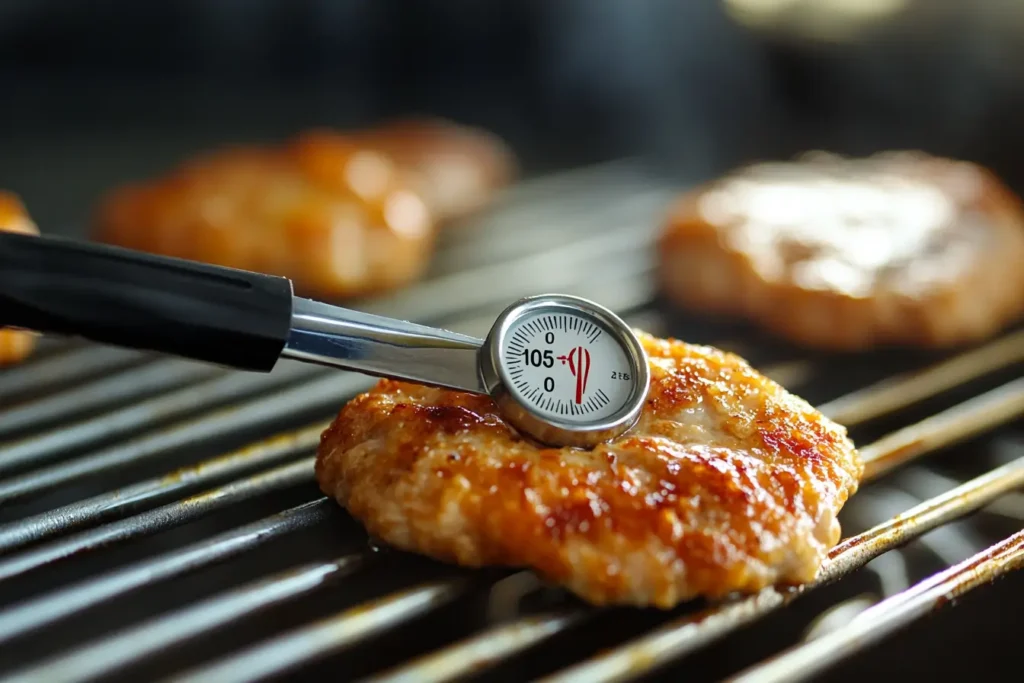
567, 367
564, 370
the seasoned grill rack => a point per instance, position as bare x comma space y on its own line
159, 518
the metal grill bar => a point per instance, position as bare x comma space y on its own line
924, 483
532, 214
514, 233
502, 282
483, 650
135, 644
47, 346
901, 391
789, 374
261, 454
326, 636
160, 375
322, 393
34, 614
76, 364
160, 519
683, 636
39, 449
608, 176
802, 662
545, 204
971, 417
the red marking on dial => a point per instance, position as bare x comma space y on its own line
579, 366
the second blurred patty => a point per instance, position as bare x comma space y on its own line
896, 249
336, 213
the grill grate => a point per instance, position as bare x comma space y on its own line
133, 485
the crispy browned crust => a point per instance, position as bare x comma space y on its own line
15, 345
460, 169
728, 483
335, 217
960, 280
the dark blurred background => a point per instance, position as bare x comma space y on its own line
95, 93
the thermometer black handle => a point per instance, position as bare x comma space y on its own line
128, 298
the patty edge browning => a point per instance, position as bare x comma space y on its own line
727, 484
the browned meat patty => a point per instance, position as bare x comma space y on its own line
727, 483
895, 249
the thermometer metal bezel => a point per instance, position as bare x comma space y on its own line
551, 430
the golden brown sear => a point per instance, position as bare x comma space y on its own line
15, 345
459, 169
727, 483
337, 218
899, 248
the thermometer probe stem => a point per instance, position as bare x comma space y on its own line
562, 369
383, 347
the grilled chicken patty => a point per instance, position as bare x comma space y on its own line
335, 217
896, 249
341, 215
15, 345
727, 483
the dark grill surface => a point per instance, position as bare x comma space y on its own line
159, 518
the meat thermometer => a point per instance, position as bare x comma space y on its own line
561, 369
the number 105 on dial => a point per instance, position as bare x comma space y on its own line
538, 358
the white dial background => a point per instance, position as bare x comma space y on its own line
567, 367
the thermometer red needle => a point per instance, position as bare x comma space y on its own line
579, 366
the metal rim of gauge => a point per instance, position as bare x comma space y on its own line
551, 430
